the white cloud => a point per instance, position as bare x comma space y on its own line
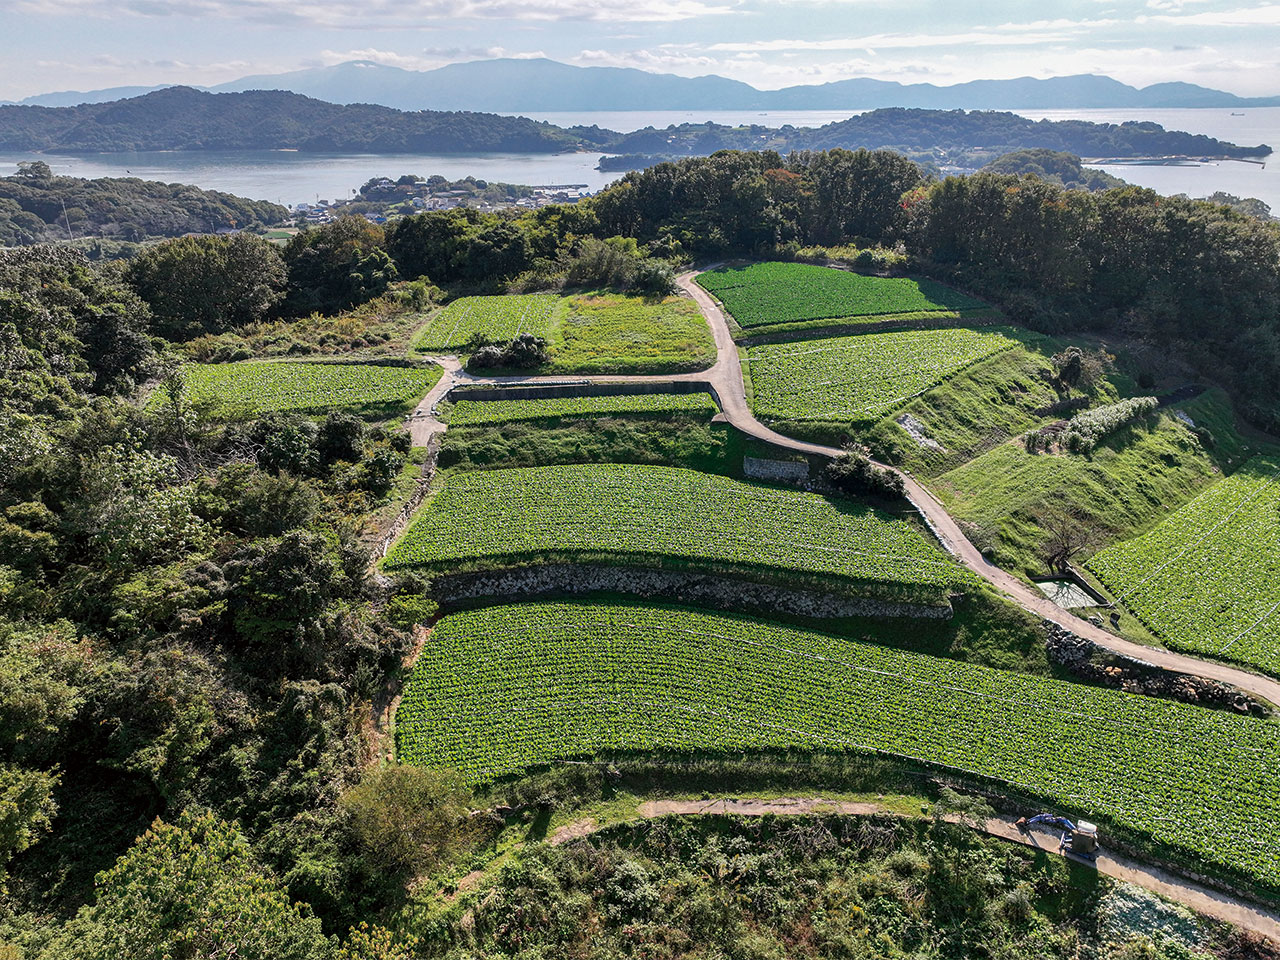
1266, 15
388, 14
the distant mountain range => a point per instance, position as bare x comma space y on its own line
539, 85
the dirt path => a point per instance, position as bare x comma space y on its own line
725, 381
1171, 887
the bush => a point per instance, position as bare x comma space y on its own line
1087, 429
655, 277
524, 352
855, 473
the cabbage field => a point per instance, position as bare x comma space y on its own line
472, 413
769, 293
653, 511
859, 379
498, 318
247, 389
501, 689
1207, 578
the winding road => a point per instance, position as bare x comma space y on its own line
724, 380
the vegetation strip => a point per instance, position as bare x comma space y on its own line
263, 387
1207, 578
861, 378
667, 511
771, 293
501, 689
470, 413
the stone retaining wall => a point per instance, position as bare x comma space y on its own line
703, 590
1090, 661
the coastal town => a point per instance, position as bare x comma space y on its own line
382, 199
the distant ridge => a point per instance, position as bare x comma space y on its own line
540, 85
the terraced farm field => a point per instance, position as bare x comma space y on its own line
499, 318
1207, 579
500, 689
859, 379
235, 389
472, 413
768, 293
652, 511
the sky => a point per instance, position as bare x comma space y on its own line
1234, 45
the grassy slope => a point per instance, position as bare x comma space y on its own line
1128, 483
987, 405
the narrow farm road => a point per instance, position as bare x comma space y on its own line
725, 381
1171, 887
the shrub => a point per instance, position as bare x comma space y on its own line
855, 473
523, 352
1087, 429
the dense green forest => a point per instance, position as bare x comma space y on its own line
193, 648
179, 118
37, 206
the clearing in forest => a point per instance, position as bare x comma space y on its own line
629, 511
505, 688
1207, 578
234, 390
763, 294
859, 379
473, 413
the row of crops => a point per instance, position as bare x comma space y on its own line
498, 690
1207, 579
472, 413
251, 388
629, 509
498, 318
859, 379
769, 293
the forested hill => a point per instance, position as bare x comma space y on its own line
36, 206
967, 138
180, 118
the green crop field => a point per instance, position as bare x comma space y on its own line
472, 413
611, 333
499, 318
501, 689
1207, 578
769, 293
235, 389
654, 511
859, 379
591, 333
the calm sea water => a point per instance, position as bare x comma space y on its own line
290, 178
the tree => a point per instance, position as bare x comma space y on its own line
1067, 534
855, 473
407, 819
208, 284
189, 891
336, 266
